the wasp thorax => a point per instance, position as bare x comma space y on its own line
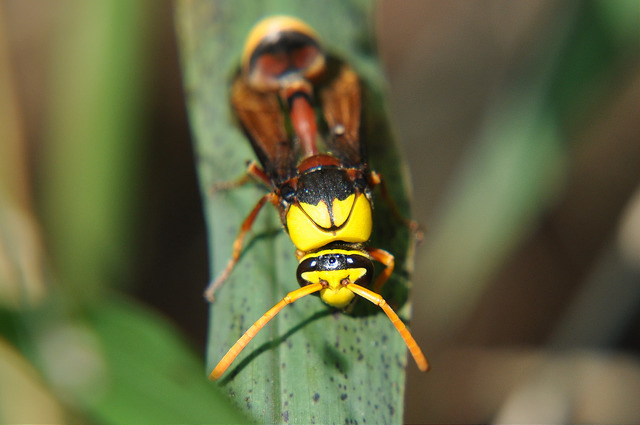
330, 206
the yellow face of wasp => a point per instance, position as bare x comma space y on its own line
335, 294
334, 269
313, 226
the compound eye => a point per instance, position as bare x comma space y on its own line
357, 261
308, 265
366, 279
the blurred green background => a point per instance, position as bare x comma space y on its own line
520, 123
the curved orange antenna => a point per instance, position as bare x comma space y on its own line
412, 345
233, 352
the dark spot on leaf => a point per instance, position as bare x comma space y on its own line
343, 397
285, 416
316, 397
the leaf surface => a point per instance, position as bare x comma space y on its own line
310, 364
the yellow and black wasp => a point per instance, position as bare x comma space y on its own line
320, 184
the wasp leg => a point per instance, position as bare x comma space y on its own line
259, 324
414, 227
254, 172
412, 345
388, 260
237, 248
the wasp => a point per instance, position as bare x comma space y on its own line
320, 184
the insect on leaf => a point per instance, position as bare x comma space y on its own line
311, 363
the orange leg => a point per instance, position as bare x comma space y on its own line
233, 352
412, 345
388, 260
414, 227
237, 248
253, 172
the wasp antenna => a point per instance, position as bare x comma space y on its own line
233, 352
412, 345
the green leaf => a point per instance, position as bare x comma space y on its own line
152, 376
310, 363
114, 361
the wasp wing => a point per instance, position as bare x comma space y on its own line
340, 97
262, 120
